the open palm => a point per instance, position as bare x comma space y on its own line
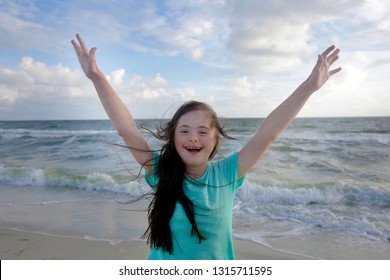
321, 72
86, 58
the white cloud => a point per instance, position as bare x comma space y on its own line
280, 36
243, 87
35, 78
7, 97
116, 77
35, 90
144, 88
188, 94
273, 47
376, 11
197, 53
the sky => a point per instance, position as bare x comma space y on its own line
243, 57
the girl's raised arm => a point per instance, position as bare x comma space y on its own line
115, 108
282, 116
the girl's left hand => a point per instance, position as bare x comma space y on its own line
321, 73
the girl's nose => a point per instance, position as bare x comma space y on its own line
193, 140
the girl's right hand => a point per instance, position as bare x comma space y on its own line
86, 58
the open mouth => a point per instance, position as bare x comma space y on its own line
193, 149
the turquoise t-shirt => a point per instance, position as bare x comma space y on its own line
213, 198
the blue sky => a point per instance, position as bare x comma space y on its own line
242, 57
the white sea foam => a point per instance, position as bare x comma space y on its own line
22, 176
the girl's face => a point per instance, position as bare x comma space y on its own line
195, 139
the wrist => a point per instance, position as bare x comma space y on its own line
96, 76
308, 87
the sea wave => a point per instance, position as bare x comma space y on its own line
11, 134
59, 178
326, 207
322, 193
254, 193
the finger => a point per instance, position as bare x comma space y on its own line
76, 47
335, 71
82, 44
328, 50
333, 57
92, 52
320, 61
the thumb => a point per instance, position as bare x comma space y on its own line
320, 60
92, 51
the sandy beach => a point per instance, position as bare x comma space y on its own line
93, 227
20, 245
96, 227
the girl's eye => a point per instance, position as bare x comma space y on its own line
203, 132
184, 131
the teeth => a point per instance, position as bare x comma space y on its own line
193, 149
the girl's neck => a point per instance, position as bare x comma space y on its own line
196, 172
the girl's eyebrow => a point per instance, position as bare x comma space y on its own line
188, 126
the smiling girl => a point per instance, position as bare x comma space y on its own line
190, 216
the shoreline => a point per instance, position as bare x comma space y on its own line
22, 245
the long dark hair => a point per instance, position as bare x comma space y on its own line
170, 173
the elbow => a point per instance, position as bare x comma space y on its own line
269, 132
125, 130
122, 133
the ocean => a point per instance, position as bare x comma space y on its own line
321, 191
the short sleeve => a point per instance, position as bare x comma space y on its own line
228, 168
152, 179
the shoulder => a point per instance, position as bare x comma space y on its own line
229, 162
226, 169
